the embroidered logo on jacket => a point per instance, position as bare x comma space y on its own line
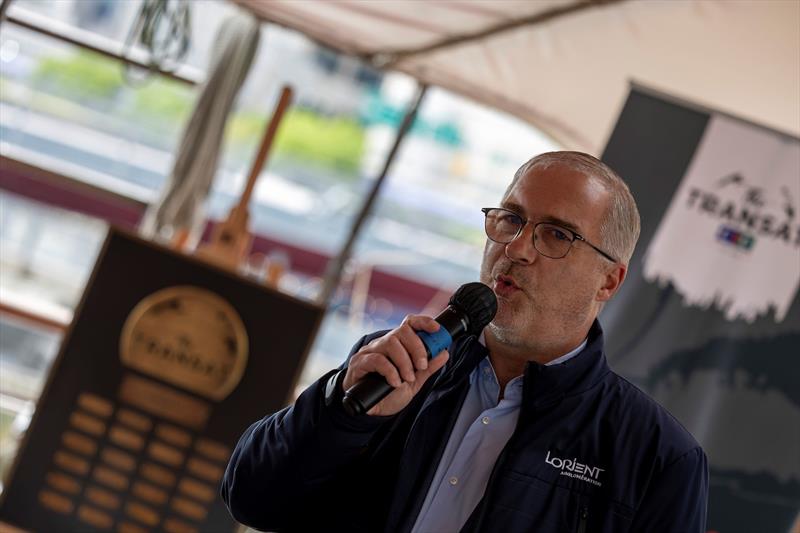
572, 468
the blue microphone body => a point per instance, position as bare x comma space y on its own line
452, 324
435, 343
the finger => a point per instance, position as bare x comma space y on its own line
408, 335
358, 360
395, 350
435, 364
438, 362
355, 368
413, 345
422, 323
377, 362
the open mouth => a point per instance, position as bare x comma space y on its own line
507, 281
505, 286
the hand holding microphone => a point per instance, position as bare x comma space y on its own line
384, 375
395, 365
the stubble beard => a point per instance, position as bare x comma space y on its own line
505, 335
526, 323
513, 326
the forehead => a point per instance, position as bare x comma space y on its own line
558, 193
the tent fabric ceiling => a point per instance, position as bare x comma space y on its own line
566, 66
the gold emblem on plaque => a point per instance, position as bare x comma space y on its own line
189, 337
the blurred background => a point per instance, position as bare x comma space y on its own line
88, 140
106, 147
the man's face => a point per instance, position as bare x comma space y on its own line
542, 301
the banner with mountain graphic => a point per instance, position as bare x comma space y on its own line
708, 321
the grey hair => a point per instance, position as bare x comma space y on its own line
621, 225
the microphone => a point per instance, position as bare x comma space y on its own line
470, 309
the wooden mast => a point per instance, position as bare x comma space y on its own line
230, 239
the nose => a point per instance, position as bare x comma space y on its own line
521, 249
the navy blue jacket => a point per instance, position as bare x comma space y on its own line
591, 452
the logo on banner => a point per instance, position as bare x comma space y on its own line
730, 238
744, 216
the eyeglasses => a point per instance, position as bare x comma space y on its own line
550, 240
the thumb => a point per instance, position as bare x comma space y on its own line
433, 366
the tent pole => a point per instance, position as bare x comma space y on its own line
3, 8
333, 272
388, 58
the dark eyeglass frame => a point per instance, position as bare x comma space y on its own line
524, 221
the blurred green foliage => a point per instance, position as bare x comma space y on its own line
334, 142
329, 141
83, 75
164, 98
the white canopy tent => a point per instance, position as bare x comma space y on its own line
565, 66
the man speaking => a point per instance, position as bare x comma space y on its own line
521, 428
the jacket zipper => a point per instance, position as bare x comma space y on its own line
582, 516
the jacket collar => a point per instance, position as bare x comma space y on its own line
542, 384
468, 353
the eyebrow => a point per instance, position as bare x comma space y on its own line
549, 219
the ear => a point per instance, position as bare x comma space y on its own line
614, 277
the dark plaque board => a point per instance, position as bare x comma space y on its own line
167, 361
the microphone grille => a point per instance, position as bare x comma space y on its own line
477, 302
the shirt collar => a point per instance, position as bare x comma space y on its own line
486, 379
558, 360
569, 355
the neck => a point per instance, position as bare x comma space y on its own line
509, 360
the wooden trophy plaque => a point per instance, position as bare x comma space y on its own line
167, 361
